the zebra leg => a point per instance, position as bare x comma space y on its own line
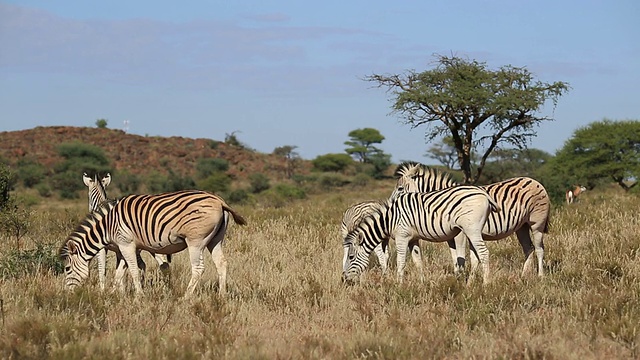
416, 256
382, 252
527, 247
121, 266
479, 249
130, 255
197, 268
102, 267
538, 244
141, 266
402, 243
215, 248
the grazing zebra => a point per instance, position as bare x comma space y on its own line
165, 224
437, 216
572, 195
97, 194
524, 202
351, 218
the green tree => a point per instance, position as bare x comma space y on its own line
332, 162
479, 108
292, 158
444, 152
361, 145
603, 150
101, 123
504, 164
6, 185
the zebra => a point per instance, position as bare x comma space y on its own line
437, 216
97, 194
164, 223
524, 202
572, 194
351, 218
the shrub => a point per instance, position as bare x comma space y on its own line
290, 192
44, 190
79, 158
101, 123
31, 173
215, 183
19, 263
259, 183
332, 162
209, 166
128, 183
330, 181
238, 196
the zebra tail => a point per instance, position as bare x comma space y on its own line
236, 216
493, 204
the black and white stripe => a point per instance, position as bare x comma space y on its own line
524, 203
350, 220
164, 224
97, 194
436, 216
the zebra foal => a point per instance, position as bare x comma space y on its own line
97, 194
164, 224
524, 203
436, 217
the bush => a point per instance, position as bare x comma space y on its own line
31, 173
128, 183
361, 180
259, 183
332, 162
19, 263
215, 183
44, 190
79, 158
238, 196
6, 184
101, 123
209, 166
330, 181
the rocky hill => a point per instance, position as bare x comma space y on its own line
139, 154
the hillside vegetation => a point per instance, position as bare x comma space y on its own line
286, 300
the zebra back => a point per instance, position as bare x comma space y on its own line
521, 199
416, 177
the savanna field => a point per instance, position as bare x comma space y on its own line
286, 300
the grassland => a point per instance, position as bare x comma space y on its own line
286, 300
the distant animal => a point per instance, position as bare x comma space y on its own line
572, 194
97, 194
436, 216
163, 224
524, 203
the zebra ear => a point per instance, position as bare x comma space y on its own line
87, 180
73, 248
106, 180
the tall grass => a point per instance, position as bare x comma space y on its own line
286, 300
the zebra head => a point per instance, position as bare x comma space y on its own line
76, 268
416, 177
97, 189
351, 270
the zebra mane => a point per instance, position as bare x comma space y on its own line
85, 226
416, 169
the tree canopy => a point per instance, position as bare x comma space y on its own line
362, 143
602, 150
481, 109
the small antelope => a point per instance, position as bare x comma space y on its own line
571, 195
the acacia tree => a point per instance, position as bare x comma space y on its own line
361, 143
481, 109
444, 152
602, 150
291, 157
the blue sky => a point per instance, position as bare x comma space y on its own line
290, 72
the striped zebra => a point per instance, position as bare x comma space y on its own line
164, 224
437, 216
350, 220
524, 202
97, 194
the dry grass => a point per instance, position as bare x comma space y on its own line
286, 300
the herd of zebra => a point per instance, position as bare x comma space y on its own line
426, 204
